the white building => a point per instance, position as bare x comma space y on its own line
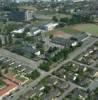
18, 31
28, 15
34, 31
50, 26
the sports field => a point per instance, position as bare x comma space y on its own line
91, 28
70, 29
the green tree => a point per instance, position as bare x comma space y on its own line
10, 38
0, 74
6, 41
6, 70
0, 43
45, 66
55, 19
35, 74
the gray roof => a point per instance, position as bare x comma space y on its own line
28, 48
80, 36
61, 41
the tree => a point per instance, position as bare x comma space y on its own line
45, 66
35, 74
55, 19
5, 38
51, 36
47, 89
35, 98
0, 43
0, 74
65, 20
6, 70
10, 38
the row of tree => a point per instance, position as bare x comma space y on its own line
75, 19
60, 55
35, 74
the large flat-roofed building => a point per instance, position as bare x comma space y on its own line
16, 16
81, 36
20, 15
64, 42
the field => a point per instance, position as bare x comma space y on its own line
59, 33
51, 13
70, 30
65, 32
26, 7
91, 28
40, 22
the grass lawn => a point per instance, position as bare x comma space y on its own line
21, 78
70, 30
39, 22
91, 28
13, 71
2, 84
67, 30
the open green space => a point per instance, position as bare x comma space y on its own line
8, 27
52, 13
39, 22
21, 78
91, 28
69, 29
13, 71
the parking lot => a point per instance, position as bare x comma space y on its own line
20, 59
15, 65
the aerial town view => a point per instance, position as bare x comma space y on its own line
48, 49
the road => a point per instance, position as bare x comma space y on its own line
75, 53
89, 66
